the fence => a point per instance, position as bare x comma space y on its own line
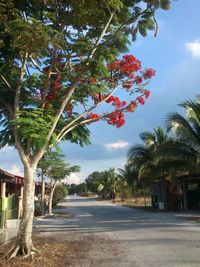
12, 207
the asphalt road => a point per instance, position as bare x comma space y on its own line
121, 236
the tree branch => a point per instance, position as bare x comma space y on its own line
19, 86
60, 135
20, 148
18, 144
6, 82
123, 24
101, 35
67, 130
8, 107
36, 65
46, 86
40, 152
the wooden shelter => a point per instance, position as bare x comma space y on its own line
181, 193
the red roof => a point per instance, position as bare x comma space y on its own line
10, 178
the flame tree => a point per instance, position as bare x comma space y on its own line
58, 63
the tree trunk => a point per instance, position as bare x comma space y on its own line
184, 196
144, 192
42, 204
51, 198
23, 244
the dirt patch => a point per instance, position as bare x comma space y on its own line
83, 250
52, 252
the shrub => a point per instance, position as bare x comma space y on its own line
60, 193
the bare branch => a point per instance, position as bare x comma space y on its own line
124, 24
101, 35
6, 82
19, 85
18, 143
21, 151
35, 64
40, 152
46, 86
67, 130
62, 132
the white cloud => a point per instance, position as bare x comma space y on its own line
14, 169
73, 179
194, 48
117, 145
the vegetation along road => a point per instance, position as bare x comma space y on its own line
112, 235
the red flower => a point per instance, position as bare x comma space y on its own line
110, 99
138, 80
69, 108
141, 100
113, 66
147, 94
133, 103
123, 103
149, 73
130, 108
93, 81
116, 118
127, 66
93, 116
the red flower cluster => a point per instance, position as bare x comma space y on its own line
69, 109
93, 116
138, 80
132, 106
55, 86
147, 94
127, 66
116, 118
141, 100
149, 73
56, 79
130, 64
116, 102
122, 71
93, 81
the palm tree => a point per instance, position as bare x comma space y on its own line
108, 183
145, 160
186, 145
128, 175
145, 157
182, 155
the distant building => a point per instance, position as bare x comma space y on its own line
182, 193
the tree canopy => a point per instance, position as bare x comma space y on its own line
59, 61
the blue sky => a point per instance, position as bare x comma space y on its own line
175, 55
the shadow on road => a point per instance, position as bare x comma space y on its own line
92, 216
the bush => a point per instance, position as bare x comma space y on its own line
60, 193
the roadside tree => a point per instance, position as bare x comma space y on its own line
57, 64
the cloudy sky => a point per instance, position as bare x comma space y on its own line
175, 55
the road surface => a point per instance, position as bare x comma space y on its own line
121, 236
